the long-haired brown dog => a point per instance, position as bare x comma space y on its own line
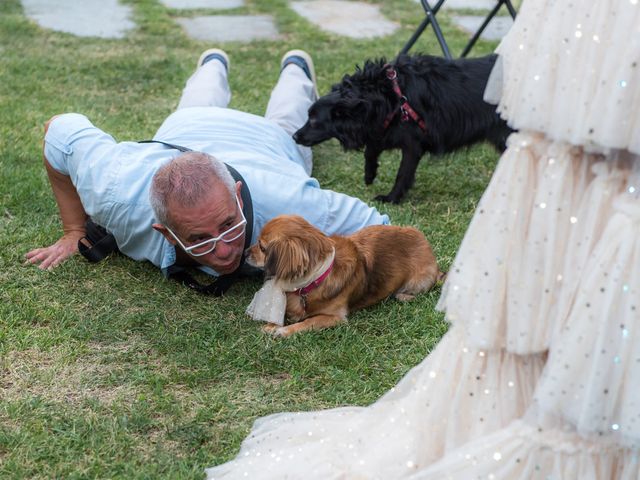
368, 266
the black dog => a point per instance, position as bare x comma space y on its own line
419, 104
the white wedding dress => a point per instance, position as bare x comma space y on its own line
539, 374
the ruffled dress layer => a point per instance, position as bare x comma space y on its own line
580, 303
571, 70
562, 215
457, 393
539, 375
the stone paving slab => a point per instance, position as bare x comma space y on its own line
111, 19
351, 19
213, 4
230, 28
86, 18
464, 4
497, 28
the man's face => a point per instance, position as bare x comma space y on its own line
217, 213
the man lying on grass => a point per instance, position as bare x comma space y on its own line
201, 191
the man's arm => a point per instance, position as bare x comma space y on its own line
347, 214
72, 215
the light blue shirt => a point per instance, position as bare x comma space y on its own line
113, 179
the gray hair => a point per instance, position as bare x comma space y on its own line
186, 179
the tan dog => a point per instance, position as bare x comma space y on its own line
368, 266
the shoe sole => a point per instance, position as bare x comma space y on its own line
307, 58
220, 52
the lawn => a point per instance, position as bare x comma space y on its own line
110, 371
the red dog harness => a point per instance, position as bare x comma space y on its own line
406, 110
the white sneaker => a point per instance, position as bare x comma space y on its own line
214, 54
303, 60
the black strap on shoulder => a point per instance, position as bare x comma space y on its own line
170, 145
222, 283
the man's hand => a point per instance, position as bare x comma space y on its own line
49, 257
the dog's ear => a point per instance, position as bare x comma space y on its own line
293, 256
286, 259
352, 122
349, 109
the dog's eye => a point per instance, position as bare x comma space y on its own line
262, 249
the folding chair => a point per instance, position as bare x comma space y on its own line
431, 19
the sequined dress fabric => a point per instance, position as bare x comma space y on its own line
539, 374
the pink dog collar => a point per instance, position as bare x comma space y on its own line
313, 285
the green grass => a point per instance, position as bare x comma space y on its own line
108, 370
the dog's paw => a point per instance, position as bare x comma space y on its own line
275, 330
388, 199
269, 328
281, 332
369, 178
404, 297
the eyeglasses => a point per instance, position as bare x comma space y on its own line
209, 245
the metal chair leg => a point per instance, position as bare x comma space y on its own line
429, 19
492, 14
512, 11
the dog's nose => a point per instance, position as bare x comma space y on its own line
296, 137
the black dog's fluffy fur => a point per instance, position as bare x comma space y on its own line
447, 94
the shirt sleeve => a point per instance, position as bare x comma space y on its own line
70, 139
75, 147
346, 214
